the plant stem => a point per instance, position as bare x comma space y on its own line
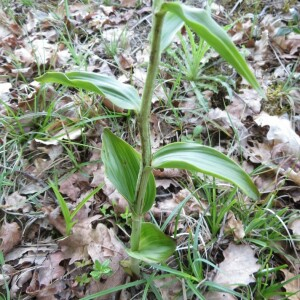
144, 130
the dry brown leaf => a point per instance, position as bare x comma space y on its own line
228, 122
11, 235
234, 226
238, 266
262, 51
51, 269
15, 202
73, 185
259, 152
292, 286
50, 292
42, 51
170, 288
125, 61
128, 3
114, 197
281, 132
64, 134
18, 281
98, 243
219, 296
24, 56
295, 226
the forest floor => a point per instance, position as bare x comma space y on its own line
228, 246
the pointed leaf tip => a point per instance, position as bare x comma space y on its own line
207, 160
122, 165
201, 23
122, 95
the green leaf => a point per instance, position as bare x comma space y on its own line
154, 245
199, 158
201, 22
122, 95
122, 164
171, 25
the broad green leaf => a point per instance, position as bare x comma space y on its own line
154, 245
199, 158
171, 25
122, 164
122, 95
201, 22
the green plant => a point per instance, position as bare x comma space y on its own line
130, 171
67, 214
191, 61
100, 269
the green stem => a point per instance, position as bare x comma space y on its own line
144, 129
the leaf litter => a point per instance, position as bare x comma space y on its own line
38, 261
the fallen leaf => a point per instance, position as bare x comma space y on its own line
234, 226
170, 287
73, 185
219, 296
11, 235
281, 132
295, 226
85, 242
42, 51
24, 56
51, 269
16, 202
98, 243
292, 286
128, 3
238, 266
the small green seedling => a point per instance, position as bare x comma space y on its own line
83, 279
67, 214
131, 172
100, 269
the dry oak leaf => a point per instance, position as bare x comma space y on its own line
238, 266
10, 234
73, 185
128, 3
281, 132
98, 243
15, 202
234, 226
50, 269
292, 286
85, 242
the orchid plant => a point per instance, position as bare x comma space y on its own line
130, 171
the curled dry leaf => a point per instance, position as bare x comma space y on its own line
11, 235
89, 240
234, 226
238, 266
50, 292
73, 185
219, 296
15, 202
292, 286
170, 287
295, 227
193, 207
50, 269
281, 132
95, 241
128, 3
